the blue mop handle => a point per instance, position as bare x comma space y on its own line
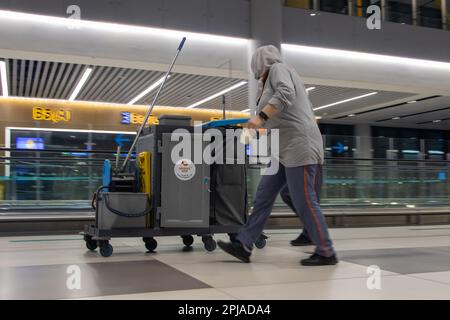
181, 44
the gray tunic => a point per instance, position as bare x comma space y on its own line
300, 138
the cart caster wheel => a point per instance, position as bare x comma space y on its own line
91, 245
188, 240
106, 250
150, 244
210, 244
261, 243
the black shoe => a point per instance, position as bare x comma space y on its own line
302, 240
318, 260
235, 249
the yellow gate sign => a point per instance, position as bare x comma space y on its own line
55, 116
135, 118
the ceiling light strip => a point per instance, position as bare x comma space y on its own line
416, 114
346, 100
218, 94
387, 107
80, 84
147, 91
434, 121
4, 79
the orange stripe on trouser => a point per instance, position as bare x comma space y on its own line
313, 212
316, 177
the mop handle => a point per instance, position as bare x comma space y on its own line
149, 111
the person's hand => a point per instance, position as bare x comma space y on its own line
255, 123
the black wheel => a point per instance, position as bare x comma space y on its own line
90, 244
150, 244
210, 244
188, 240
261, 243
106, 250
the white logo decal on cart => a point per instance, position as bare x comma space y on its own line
184, 169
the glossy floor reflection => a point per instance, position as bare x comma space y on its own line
413, 261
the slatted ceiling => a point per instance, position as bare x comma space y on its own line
97, 77
105, 80
170, 94
130, 87
13, 88
192, 92
57, 80
106, 88
64, 80
113, 85
120, 85
49, 81
74, 76
144, 80
173, 91
325, 95
148, 79
22, 77
127, 86
35, 82
232, 100
32, 67
61, 69
183, 96
235, 100
42, 79
194, 89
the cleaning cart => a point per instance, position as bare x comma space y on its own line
153, 195
156, 196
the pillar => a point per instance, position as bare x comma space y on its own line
384, 11
444, 11
414, 12
364, 169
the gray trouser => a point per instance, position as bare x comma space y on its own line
286, 197
303, 185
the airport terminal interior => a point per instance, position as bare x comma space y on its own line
93, 204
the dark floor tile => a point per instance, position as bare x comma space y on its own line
402, 260
97, 279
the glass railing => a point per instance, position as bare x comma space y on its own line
428, 12
66, 179
54, 178
379, 183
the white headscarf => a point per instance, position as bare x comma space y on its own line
263, 58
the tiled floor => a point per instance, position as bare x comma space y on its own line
414, 263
